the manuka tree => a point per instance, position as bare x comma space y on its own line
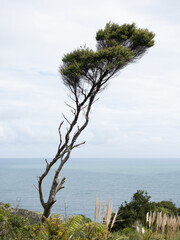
86, 73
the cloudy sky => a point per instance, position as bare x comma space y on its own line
138, 115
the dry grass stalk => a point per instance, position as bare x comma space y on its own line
163, 221
103, 212
99, 211
158, 221
153, 217
147, 217
95, 211
174, 224
114, 219
178, 221
108, 213
150, 220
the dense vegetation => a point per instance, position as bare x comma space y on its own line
130, 224
138, 207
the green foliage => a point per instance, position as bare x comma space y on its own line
126, 231
80, 227
134, 235
127, 35
52, 228
129, 213
7, 205
167, 207
117, 46
13, 227
2, 218
137, 208
79, 64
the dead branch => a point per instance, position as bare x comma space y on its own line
36, 187
61, 184
77, 145
73, 109
66, 119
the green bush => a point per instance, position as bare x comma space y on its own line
127, 231
13, 226
7, 205
129, 213
1, 218
137, 208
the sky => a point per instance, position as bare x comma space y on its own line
137, 116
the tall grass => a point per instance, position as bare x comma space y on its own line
162, 222
104, 216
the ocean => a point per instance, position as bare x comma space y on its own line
114, 179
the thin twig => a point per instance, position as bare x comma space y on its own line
77, 145
36, 187
66, 119
61, 184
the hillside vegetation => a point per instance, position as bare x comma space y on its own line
139, 219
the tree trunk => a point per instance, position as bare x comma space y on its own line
47, 211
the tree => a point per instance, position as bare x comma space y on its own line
86, 73
138, 207
133, 211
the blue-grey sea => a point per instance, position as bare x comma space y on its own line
86, 179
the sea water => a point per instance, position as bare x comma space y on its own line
86, 179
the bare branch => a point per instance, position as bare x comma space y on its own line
84, 107
95, 100
36, 187
71, 98
47, 163
60, 136
73, 109
77, 145
61, 184
66, 119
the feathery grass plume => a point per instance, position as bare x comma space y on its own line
178, 221
153, 217
108, 217
171, 222
161, 221
108, 214
174, 223
168, 221
114, 219
147, 218
99, 211
95, 211
158, 221
103, 212
150, 220
164, 222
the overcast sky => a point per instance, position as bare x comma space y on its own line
138, 115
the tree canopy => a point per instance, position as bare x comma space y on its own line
85, 70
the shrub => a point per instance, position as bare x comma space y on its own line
7, 205
129, 213
137, 209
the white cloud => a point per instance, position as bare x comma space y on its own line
140, 109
